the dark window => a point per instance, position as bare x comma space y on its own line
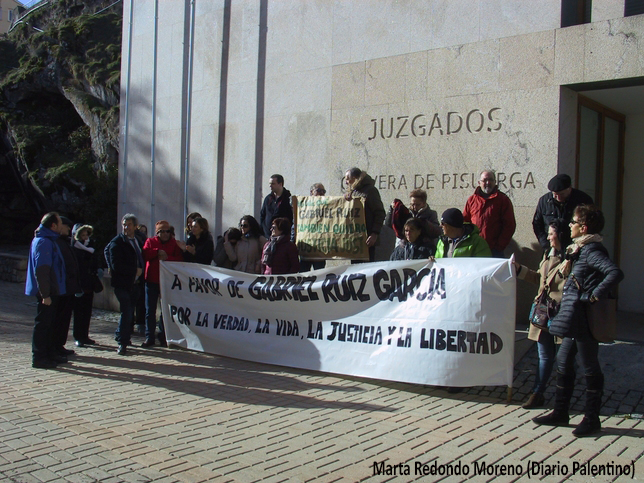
575, 12
633, 7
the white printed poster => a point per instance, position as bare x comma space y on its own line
450, 322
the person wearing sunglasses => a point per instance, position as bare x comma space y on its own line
246, 253
593, 276
280, 254
161, 247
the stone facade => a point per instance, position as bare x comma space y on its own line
420, 94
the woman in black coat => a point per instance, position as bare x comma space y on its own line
415, 245
200, 246
593, 275
86, 257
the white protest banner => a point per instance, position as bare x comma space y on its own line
330, 227
449, 322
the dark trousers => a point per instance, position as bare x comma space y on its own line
588, 350
140, 312
152, 294
63, 320
306, 265
42, 343
82, 316
127, 302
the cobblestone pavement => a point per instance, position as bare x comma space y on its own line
167, 415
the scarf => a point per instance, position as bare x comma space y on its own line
572, 251
269, 251
78, 244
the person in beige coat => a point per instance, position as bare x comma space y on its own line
246, 254
551, 278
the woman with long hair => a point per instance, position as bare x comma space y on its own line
551, 278
246, 254
280, 254
592, 276
199, 246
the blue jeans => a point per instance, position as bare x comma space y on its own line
547, 350
152, 293
127, 302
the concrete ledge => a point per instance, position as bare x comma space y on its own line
13, 268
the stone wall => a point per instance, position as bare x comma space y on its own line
13, 268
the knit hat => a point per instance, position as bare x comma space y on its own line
559, 183
453, 217
161, 225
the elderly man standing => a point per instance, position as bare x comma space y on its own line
558, 204
277, 204
492, 212
162, 247
125, 260
45, 281
360, 185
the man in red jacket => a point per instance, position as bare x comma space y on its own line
164, 247
492, 212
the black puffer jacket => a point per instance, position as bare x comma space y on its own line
596, 275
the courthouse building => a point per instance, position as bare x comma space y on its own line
217, 95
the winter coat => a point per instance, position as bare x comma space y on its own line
425, 214
204, 249
411, 251
549, 210
87, 266
374, 211
151, 256
72, 272
122, 261
549, 278
285, 259
45, 267
596, 275
470, 245
274, 207
494, 215
246, 254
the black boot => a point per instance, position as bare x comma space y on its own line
559, 416
594, 392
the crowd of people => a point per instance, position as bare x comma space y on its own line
575, 271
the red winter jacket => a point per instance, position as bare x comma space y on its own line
151, 256
493, 215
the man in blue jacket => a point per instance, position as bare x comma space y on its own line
46, 281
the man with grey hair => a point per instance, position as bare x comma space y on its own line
125, 262
492, 212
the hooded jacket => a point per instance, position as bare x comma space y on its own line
471, 244
374, 211
494, 215
46, 267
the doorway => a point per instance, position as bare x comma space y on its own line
600, 164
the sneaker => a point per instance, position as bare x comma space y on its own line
79, 343
121, 350
147, 343
535, 400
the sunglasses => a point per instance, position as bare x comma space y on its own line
244, 225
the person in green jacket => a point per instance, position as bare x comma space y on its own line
460, 239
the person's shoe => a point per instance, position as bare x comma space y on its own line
43, 364
535, 400
147, 343
162, 341
66, 352
89, 341
553, 419
60, 359
121, 350
79, 343
589, 425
